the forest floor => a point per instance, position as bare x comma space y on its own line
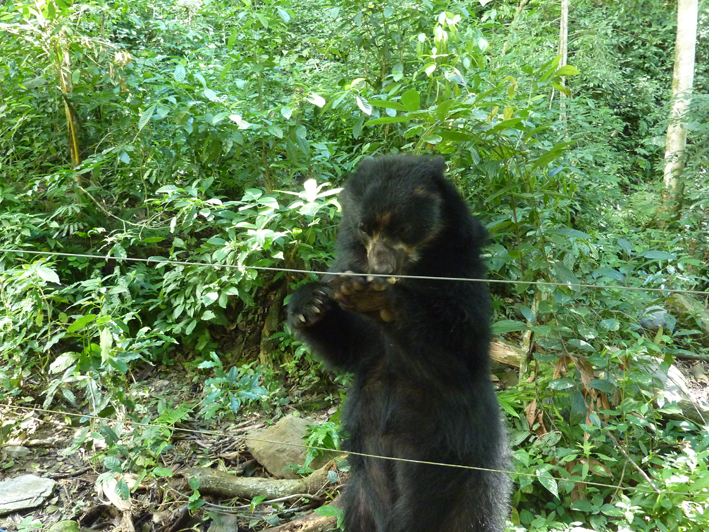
39, 446
40, 441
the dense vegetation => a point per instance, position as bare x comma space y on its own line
217, 133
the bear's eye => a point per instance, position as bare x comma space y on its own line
362, 229
402, 234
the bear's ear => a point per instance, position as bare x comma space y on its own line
438, 165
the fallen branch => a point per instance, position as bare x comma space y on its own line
506, 353
225, 485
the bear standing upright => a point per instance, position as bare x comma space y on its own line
418, 349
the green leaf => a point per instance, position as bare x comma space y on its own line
567, 70
583, 345
623, 243
63, 362
528, 314
482, 44
411, 100
48, 274
506, 326
389, 120
219, 117
443, 108
209, 298
556, 152
658, 255
582, 505
291, 152
562, 384
357, 128
573, 233
506, 124
82, 322
364, 106
122, 490
284, 15
456, 136
608, 272
387, 105
316, 99
124, 157
398, 72
180, 73
276, 131
546, 480
269, 201
210, 94
562, 89
179, 309
603, 385
328, 511
163, 472
106, 343
564, 275
610, 324
144, 119
432, 139
112, 464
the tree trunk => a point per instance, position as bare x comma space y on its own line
564, 52
683, 79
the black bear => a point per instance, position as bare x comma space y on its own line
418, 349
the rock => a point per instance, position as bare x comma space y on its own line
223, 523
654, 318
275, 457
15, 451
25, 491
677, 391
691, 314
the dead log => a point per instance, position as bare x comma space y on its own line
229, 486
506, 353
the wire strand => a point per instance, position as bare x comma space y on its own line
160, 262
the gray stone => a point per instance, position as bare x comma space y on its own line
224, 523
677, 391
26, 491
15, 451
275, 456
654, 318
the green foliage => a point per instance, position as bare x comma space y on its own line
229, 389
328, 510
325, 435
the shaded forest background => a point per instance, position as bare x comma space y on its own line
218, 132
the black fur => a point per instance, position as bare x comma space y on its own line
418, 350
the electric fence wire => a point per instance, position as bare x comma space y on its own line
159, 261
